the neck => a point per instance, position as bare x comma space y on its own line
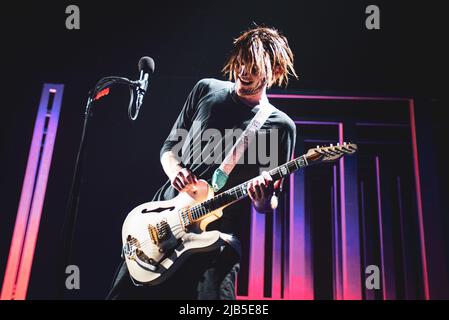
199, 211
255, 99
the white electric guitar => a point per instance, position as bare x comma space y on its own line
157, 236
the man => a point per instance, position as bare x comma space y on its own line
260, 58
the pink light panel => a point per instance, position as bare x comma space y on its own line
23, 243
299, 284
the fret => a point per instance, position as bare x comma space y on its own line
243, 187
195, 213
240, 191
278, 172
221, 199
302, 161
292, 166
273, 173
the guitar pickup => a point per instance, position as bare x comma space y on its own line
160, 232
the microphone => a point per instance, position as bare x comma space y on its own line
146, 68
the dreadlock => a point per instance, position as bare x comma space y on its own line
265, 52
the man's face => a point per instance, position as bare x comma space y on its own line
248, 83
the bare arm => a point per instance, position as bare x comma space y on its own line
179, 176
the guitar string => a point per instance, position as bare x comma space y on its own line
233, 192
201, 210
198, 209
195, 211
175, 228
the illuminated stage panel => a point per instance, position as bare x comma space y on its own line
23, 243
257, 256
347, 278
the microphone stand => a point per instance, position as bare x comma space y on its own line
68, 230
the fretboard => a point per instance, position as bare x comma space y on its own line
238, 192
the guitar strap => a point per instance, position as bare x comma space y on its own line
221, 174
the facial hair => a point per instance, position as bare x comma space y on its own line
253, 89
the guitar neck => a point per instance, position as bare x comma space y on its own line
239, 192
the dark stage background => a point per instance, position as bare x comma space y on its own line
335, 54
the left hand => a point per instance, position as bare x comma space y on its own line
260, 189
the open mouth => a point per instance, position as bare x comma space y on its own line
246, 83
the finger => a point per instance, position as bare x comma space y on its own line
176, 184
185, 181
268, 183
250, 190
263, 191
189, 178
262, 181
277, 184
266, 176
257, 190
181, 173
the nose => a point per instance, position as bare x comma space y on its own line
243, 71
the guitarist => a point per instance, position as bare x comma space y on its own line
261, 57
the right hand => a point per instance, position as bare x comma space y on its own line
183, 178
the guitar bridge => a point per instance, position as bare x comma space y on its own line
132, 251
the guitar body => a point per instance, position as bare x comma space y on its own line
156, 241
157, 236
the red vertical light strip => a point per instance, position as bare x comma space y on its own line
338, 290
287, 285
346, 284
256, 256
277, 256
24, 238
297, 245
350, 238
300, 280
347, 290
419, 200
15, 251
381, 233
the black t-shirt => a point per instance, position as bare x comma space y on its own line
212, 114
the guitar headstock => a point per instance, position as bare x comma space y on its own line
330, 153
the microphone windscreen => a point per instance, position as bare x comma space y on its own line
146, 64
